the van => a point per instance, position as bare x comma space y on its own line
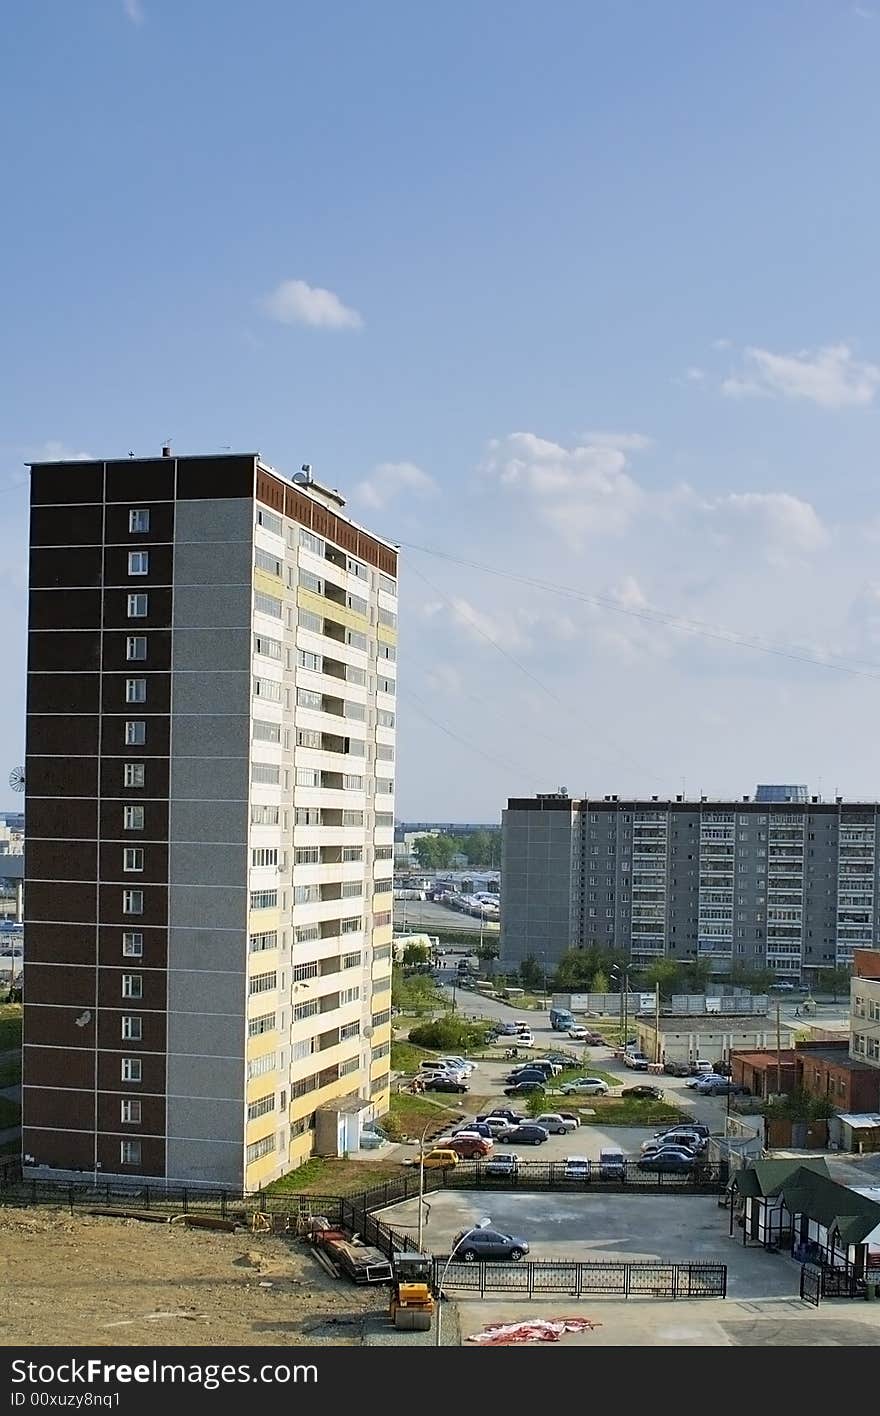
429, 1068
612, 1164
702, 1064
522, 1025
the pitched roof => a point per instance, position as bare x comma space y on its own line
807, 1188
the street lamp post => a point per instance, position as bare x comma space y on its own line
428, 1124
480, 1224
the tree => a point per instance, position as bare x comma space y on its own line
662, 974
448, 1033
530, 972
414, 955
600, 982
488, 951
536, 1103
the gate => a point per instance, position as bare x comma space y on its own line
811, 1284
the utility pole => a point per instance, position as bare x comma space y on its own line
657, 1022
778, 1052
625, 1006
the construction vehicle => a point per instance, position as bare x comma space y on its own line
412, 1304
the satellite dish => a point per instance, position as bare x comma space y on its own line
367, 1031
16, 779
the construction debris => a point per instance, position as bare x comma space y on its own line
535, 1330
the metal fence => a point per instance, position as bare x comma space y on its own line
654, 1280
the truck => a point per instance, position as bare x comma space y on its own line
561, 1019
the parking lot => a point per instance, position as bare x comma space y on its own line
594, 1227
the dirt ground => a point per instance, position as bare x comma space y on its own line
79, 1280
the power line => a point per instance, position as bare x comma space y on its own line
660, 617
507, 767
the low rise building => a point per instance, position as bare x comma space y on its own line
765, 1073
713, 1036
865, 1008
827, 1070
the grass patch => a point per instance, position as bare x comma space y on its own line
571, 1074
10, 1113
408, 1116
406, 1056
616, 1111
10, 1072
10, 1026
336, 1177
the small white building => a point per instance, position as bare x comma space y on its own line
713, 1036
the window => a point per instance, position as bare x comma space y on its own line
132, 945
352, 961
138, 521
387, 651
264, 560
308, 777
132, 1028
305, 894
135, 647
307, 619
301, 1050
264, 899
256, 1109
133, 858
133, 818
138, 606
266, 1146
352, 888
352, 852
266, 773
304, 971
354, 602
353, 675
349, 995
306, 1010
383, 818
311, 543
308, 737
387, 617
306, 660
264, 855
306, 934
135, 690
131, 1069
352, 818
130, 1113
263, 731
135, 734
355, 710
387, 584
355, 568
265, 815
352, 783
138, 562
384, 753
386, 685
263, 1024
307, 816
307, 855
308, 698
130, 1152
267, 604
267, 939
269, 648
385, 719
381, 919
133, 774
263, 983
132, 986
259, 1066
355, 640
350, 1065
351, 925
132, 902
269, 521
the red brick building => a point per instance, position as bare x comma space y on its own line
827, 1070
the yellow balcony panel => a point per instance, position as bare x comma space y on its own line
329, 609
268, 584
386, 635
262, 1170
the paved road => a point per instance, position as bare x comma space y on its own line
413, 915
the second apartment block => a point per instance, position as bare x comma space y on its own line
791, 886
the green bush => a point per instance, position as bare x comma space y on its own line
449, 1034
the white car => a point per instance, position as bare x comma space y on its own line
523, 1040
557, 1125
586, 1086
577, 1034
459, 1064
637, 1060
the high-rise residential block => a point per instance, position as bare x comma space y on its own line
209, 825
790, 886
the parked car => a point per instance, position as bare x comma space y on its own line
571, 1116
527, 1134
577, 1034
675, 1160
720, 1087
698, 1128
527, 1074
505, 1113
508, 1029
555, 1123
636, 1060
475, 1128
468, 1146
677, 1069
443, 1083
682, 1135
524, 1088
524, 1040
781, 987
502, 1165
644, 1093
576, 1167
652, 1147
586, 1086
459, 1064
440, 1157
612, 1164
489, 1244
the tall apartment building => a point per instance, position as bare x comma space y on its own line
209, 847
864, 1012
788, 886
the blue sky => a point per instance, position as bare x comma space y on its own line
599, 309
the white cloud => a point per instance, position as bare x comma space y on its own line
54, 451
502, 628
721, 343
695, 375
392, 479
775, 522
830, 377
134, 11
577, 491
296, 302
